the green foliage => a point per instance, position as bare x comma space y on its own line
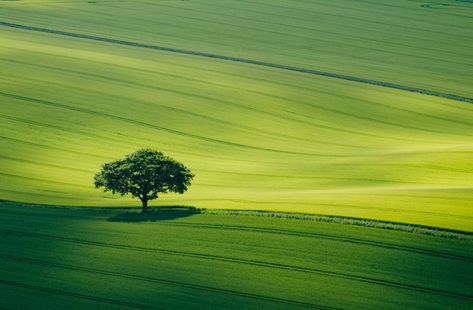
144, 174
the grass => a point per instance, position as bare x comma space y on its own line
52, 256
338, 112
257, 137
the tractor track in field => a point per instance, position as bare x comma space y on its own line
247, 129
162, 281
160, 128
252, 109
243, 261
208, 139
328, 237
287, 117
243, 60
76, 295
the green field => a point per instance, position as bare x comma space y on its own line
56, 258
337, 111
257, 137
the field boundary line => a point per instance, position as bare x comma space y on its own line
364, 222
270, 230
326, 218
328, 74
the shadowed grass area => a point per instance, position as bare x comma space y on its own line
77, 257
155, 214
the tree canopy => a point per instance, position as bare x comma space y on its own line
144, 174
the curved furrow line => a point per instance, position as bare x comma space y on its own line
301, 177
377, 121
43, 180
244, 60
109, 140
385, 245
243, 107
363, 180
63, 129
375, 104
160, 128
318, 125
247, 129
25, 194
243, 261
358, 117
286, 117
322, 108
48, 146
437, 167
173, 91
347, 178
429, 166
62, 292
254, 131
162, 281
54, 148
50, 181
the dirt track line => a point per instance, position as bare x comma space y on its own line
243, 261
161, 281
77, 295
328, 237
244, 60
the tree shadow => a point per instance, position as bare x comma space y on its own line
155, 214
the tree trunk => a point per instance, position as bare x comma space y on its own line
145, 205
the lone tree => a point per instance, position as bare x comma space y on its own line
144, 174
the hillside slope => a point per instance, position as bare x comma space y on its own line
257, 137
56, 258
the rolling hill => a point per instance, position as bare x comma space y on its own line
310, 125
108, 259
341, 108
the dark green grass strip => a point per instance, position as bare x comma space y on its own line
236, 260
161, 281
244, 60
57, 291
